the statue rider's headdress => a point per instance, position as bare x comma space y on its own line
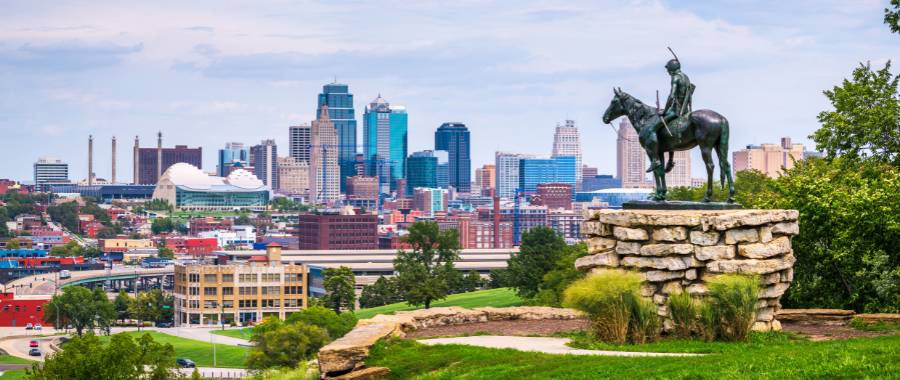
673, 64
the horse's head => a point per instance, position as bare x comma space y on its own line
616, 108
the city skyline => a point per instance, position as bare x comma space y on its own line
247, 74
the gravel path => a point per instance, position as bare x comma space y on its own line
538, 344
505, 328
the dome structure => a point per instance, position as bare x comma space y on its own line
187, 175
188, 188
243, 179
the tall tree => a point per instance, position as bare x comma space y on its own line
865, 122
541, 248
83, 309
86, 357
340, 289
121, 303
280, 344
423, 272
892, 16
382, 292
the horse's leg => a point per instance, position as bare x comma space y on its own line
706, 153
654, 164
660, 172
724, 166
671, 163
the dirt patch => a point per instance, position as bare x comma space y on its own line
512, 328
829, 331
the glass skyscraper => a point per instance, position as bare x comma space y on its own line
234, 154
340, 110
421, 170
385, 143
454, 138
535, 171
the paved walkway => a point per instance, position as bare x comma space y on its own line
538, 344
204, 334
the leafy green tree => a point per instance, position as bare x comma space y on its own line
242, 220
83, 309
65, 214
423, 272
158, 205
865, 122
12, 244
161, 225
340, 289
121, 303
86, 357
892, 16
337, 325
498, 279
750, 186
384, 291
165, 253
280, 344
560, 277
142, 309
472, 281
541, 248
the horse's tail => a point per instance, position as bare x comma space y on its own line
722, 152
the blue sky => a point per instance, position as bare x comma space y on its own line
209, 72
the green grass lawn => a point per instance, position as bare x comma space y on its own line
776, 356
501, 297
15, 374
243, 333
198, 351
9, 359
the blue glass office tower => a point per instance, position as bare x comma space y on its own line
234, 154
421, 170
535, 171
385, 143
454, 138
340, 110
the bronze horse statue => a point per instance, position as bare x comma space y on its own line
704, 128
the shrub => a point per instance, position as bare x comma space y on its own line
280, 344
607, 297
733, 299
644, 325
683, 309
335, 324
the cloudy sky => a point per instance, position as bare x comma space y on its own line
208, 72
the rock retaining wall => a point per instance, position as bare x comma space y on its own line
348, 353
677, 251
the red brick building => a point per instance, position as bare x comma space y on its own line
19, 312
554, 196
192, 246
336, 231
362, 187
199, 225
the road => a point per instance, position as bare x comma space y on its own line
45, 284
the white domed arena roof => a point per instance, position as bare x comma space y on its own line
243, 179
182, 174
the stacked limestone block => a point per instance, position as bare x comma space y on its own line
676, 250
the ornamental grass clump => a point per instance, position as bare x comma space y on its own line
644, 326
684, 310
611, 299
733, 300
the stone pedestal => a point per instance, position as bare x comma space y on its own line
677, 250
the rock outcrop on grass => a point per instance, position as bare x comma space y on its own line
678, 250
348, 353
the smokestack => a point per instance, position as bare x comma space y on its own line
137, 160
113, 179
158, 155
90, 178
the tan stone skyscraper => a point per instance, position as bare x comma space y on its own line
324, 171
293, 176
631, 161
680, 176
770, 159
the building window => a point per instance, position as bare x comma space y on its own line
227, 277
210, 277
194, 291
248, 277
247, 291
194, 277
227, 291
227, 304
209, 291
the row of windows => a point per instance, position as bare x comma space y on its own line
243, 290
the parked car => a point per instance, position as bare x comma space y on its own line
35, 352
33, 343
38, 327
165, 324
185, 363
29, 326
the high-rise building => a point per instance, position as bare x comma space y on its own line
152, 162
567, 143
293, 176
600, 182
339, 102
337, 231
507, 173
234, 155
587, 172
443, 169
362, 187
631, 161
454, 138
535, 171
324, 170
421, 170
298, 142
770, 159
484, 179
385, 142
265, 162
554, 196
48, 171
430, 201
680, 175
